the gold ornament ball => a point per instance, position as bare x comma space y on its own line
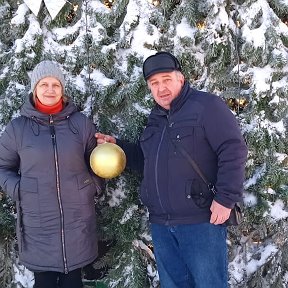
108, 160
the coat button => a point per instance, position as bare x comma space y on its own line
188, 196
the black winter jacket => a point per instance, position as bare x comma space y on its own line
44, 167
173, 192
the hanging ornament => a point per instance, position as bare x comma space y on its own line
285, 20
72, 13
238, 23
53, 6
201, 24
107, 160
109, 3
155, 2
236, 104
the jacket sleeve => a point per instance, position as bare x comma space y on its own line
134, 155
9, 163
224, 136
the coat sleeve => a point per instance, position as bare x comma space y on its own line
134, 155
9, 163
224, 136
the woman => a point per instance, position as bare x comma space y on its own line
44, 167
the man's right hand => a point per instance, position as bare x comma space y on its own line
103, 138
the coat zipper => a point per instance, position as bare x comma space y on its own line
53, 137
168, 218
156, 170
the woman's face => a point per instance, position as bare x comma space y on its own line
49, 91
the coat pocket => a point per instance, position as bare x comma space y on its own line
29, 201
86, 187
149, 140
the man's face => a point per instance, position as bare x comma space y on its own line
165, 87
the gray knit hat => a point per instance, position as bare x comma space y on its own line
44, 69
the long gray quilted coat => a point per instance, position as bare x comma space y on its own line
44, 167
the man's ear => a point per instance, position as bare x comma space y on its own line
181, 77
149, 85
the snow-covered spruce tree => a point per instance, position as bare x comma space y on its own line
263, 74
82, 39
236, 49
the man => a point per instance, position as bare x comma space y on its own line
186, 217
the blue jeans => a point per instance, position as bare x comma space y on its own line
191, 256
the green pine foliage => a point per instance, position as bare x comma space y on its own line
267, 138
7, 218
7, 236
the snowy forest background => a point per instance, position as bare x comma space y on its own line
236, 49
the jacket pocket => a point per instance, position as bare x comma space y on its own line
181, 133
87, 190
29, 202
197, 191
148, 141
184, 135
86, 187
150, 200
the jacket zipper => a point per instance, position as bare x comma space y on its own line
156, 170
168, 218
53, 137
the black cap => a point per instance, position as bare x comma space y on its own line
160, 62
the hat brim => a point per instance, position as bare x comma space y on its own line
159, 70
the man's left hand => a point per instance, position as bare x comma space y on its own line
219, 213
